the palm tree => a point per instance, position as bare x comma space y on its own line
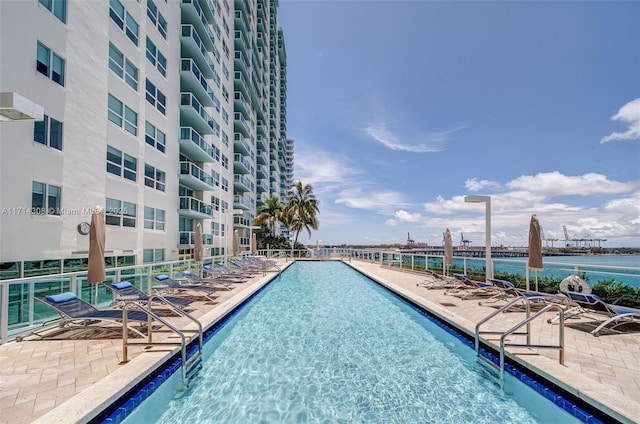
302, 209
270, 212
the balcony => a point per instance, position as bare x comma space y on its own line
262, 186
194, 208
241, 221
241, 165
261, 128
241, 202
241, 124
240, 41
240, 84
192, 13
191, 79
188, 238
241, 61
240, 104
240, 20
193, 114
262, 157
192, 176
262, 171
193, 145
193, 47
242, 183
241, 144
261, 142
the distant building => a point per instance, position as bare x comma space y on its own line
165, 113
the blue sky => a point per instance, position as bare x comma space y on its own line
400, 109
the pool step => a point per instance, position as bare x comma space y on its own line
193, 366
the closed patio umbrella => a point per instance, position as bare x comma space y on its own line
198, 251
535, 248
254, 244
448, 251
236, 243
96, 271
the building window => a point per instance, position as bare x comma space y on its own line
120, 213
50, 64
156, 97
152, 255
57, 7
154, 219
225, 138
153, 177
124, 20
225, 116
156, 18
225, 161
215, 228
121, 164
48, 132
225, 184
156, 58
154, 137
122, 115
123, 67
215, 202
45, 199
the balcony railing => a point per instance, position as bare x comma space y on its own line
191, 206
189, 237
241, 201
195, 146
241, 164
189, 67
203, 180
241, 144
242, 183
189, 103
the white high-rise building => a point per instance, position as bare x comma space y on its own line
140, 117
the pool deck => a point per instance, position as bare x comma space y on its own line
57, 379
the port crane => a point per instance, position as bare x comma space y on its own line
410, 241
547, 240
464, 242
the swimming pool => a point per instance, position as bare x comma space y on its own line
326, 344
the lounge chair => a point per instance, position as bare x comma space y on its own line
125, 288
437, 281
585, 303
224, 271
506, 290
76, 311
174, 286
469, 288
226, 282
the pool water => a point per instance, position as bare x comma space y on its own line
324, 344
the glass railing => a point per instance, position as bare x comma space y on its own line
243, 181
189, 65
188, 99
241, 200
189, 237
188, 133
189, 168
238, 138
195, 205
21, 313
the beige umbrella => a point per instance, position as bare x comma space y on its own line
236, 243
448, 251
535, 248
254, 244
96, 273
198, 251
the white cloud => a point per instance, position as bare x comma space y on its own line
628, 114
320, 167
429, 143
556, 184
384, 202
476, 185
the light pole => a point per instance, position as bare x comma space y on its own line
487, 201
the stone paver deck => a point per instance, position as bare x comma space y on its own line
65, 381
